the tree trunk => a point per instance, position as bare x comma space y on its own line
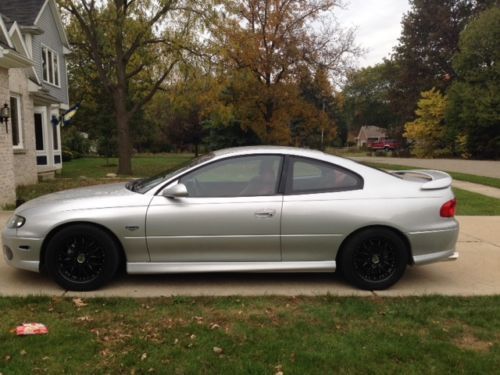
124, 144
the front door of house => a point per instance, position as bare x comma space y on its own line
41, 137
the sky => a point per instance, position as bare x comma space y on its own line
378, 24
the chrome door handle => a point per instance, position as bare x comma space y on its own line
265, 213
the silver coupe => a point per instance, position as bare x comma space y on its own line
250, 209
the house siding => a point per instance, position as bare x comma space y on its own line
7, 180
51, 39
24, 158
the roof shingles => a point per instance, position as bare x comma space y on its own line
22, 11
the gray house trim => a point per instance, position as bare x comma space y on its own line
52, 39
57, 19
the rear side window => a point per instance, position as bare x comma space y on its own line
307, 176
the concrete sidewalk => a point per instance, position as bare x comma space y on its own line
476, 272
477, 188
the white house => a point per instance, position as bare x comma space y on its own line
33, 92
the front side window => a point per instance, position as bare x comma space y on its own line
16, 121
50, 66
256, 175
313, 176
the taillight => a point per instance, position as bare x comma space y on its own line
449, 208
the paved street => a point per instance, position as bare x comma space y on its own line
476, 272
486, 168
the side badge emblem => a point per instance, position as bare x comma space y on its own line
131, 227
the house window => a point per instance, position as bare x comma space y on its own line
16, 121
50, 66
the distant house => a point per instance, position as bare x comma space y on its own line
370, 133
34, 87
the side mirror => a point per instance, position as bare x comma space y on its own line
176, 191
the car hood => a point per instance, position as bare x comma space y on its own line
99, 196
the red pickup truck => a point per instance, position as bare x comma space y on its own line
384, 144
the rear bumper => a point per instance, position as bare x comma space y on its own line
441, 256
434, 245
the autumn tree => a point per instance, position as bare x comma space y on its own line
427, 131
134, 47
473, 114
314, 124
428, 42
265, 44
367, 97
183, 107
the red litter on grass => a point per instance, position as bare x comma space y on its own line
27, 329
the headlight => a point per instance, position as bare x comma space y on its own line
16, 221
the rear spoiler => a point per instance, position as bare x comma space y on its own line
435, 179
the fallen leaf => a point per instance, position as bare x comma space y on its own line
7, 358
144, 356
214, 326
84, 318
192, 337
23, 352
105, 352
176, 341
79, 302
218, 350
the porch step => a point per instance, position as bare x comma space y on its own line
47, 175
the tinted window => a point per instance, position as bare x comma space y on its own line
313, 176
242, 176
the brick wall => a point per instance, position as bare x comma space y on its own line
7, 179
24, 158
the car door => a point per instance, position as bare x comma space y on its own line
232, 214
319, 208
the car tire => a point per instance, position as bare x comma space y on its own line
82, 257
374, 259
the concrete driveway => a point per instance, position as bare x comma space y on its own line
476, 272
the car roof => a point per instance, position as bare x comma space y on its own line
245, 150
285, 150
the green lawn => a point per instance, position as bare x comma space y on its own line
470, 203
142, 165
488, 181
258, 335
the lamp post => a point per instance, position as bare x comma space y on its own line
4, 116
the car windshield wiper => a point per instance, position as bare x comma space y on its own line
133, 185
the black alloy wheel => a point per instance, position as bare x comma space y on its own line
374, 259
82, 257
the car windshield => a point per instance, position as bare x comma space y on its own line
146, 184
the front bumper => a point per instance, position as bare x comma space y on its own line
19, 252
